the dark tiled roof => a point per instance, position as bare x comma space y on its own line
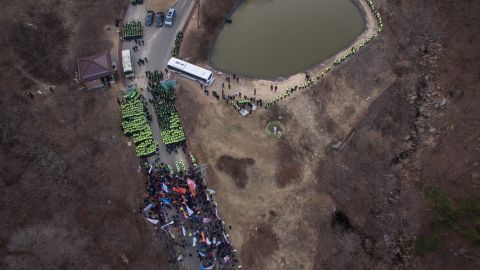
94, 67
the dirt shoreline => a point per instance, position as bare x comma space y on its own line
359, 4
262, 86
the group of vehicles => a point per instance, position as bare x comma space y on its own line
191, 71
178, 66
160, 19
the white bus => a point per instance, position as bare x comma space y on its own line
127, 64
191, 71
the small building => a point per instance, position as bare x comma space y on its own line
95, 71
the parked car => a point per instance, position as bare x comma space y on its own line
159, 19
149, 18
170, 17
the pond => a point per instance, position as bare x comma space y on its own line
277, 38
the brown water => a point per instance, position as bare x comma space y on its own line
277, 38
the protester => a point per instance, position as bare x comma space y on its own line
181, 202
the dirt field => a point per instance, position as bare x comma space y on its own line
279, 195
70, 185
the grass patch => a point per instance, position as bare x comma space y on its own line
463, 218
427, 243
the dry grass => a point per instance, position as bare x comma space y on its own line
159, 5
68, 177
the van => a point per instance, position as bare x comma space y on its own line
170, 17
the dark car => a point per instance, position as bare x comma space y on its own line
159, 19
149, 18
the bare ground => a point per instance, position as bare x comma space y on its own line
423, 127
159, 5
70, 184
196, 44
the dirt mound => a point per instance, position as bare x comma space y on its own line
236, 168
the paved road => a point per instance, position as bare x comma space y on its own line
158, 43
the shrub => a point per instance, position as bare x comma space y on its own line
427, 243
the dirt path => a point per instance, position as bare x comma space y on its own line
42, 86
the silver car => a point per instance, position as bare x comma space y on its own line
170, 17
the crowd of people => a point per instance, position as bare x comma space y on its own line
236, 99
183, 209
163, 102
244, 102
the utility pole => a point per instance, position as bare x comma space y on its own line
198, 14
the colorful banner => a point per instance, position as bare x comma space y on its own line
168, 224
154, 221
192, 186
190, 211
167, 201
150, 206
194, 241
180, 190
165, 188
